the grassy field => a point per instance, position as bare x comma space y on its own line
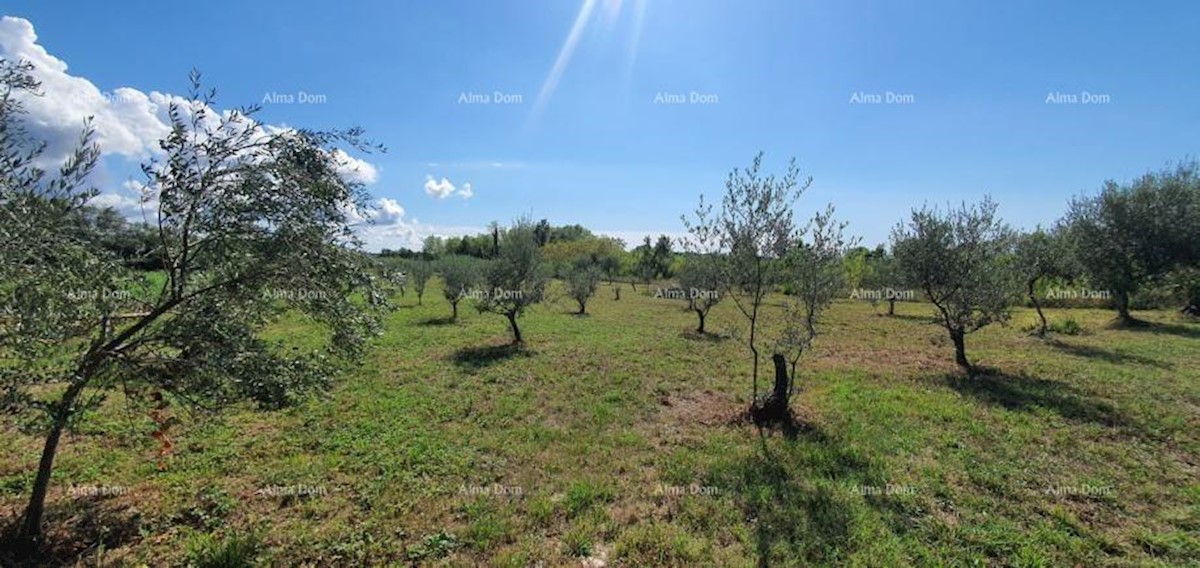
617, 438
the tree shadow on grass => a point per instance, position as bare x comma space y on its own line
803, 495
919, 319
438, 321
1025, 393
475, 358
1105, 355
1190, 331
74, 530
693, 335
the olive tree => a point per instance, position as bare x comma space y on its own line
250, 223
1129, 235
419, 273
700, 278
814, 272
582, 281
1042, 255
515, 278
961, 259
753, 233
882, 275
459, 275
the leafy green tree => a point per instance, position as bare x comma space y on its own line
701, 278
582, 282
962, 260
1185, 283
1042, 255
251, 223
646, 262
568, 233
419, 273
541, 233
661, 257
459, 275
856, 267
515, 279
133, 243
814, 272
609, 258
433, 247
881, 274
1130, 235
754, 232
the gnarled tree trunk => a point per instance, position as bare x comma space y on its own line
1123, 307
1037, 306
512, 322
958, 336
776, 404
31, 527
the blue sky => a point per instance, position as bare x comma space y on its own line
968, 113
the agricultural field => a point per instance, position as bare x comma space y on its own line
599, 284
620, 438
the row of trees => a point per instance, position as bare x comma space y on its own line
965, 261
970, 265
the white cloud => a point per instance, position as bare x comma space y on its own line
128, 122
389, 212
408, 233
444, 188
439, 189
354, 169
477, 165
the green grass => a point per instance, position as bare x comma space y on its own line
614, 436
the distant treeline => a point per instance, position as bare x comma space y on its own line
137, 245
562, 247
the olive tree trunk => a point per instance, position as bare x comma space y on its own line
958, 336
1037, 306
516, 331
31, 527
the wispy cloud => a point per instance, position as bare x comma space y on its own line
563, 59
477, 165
